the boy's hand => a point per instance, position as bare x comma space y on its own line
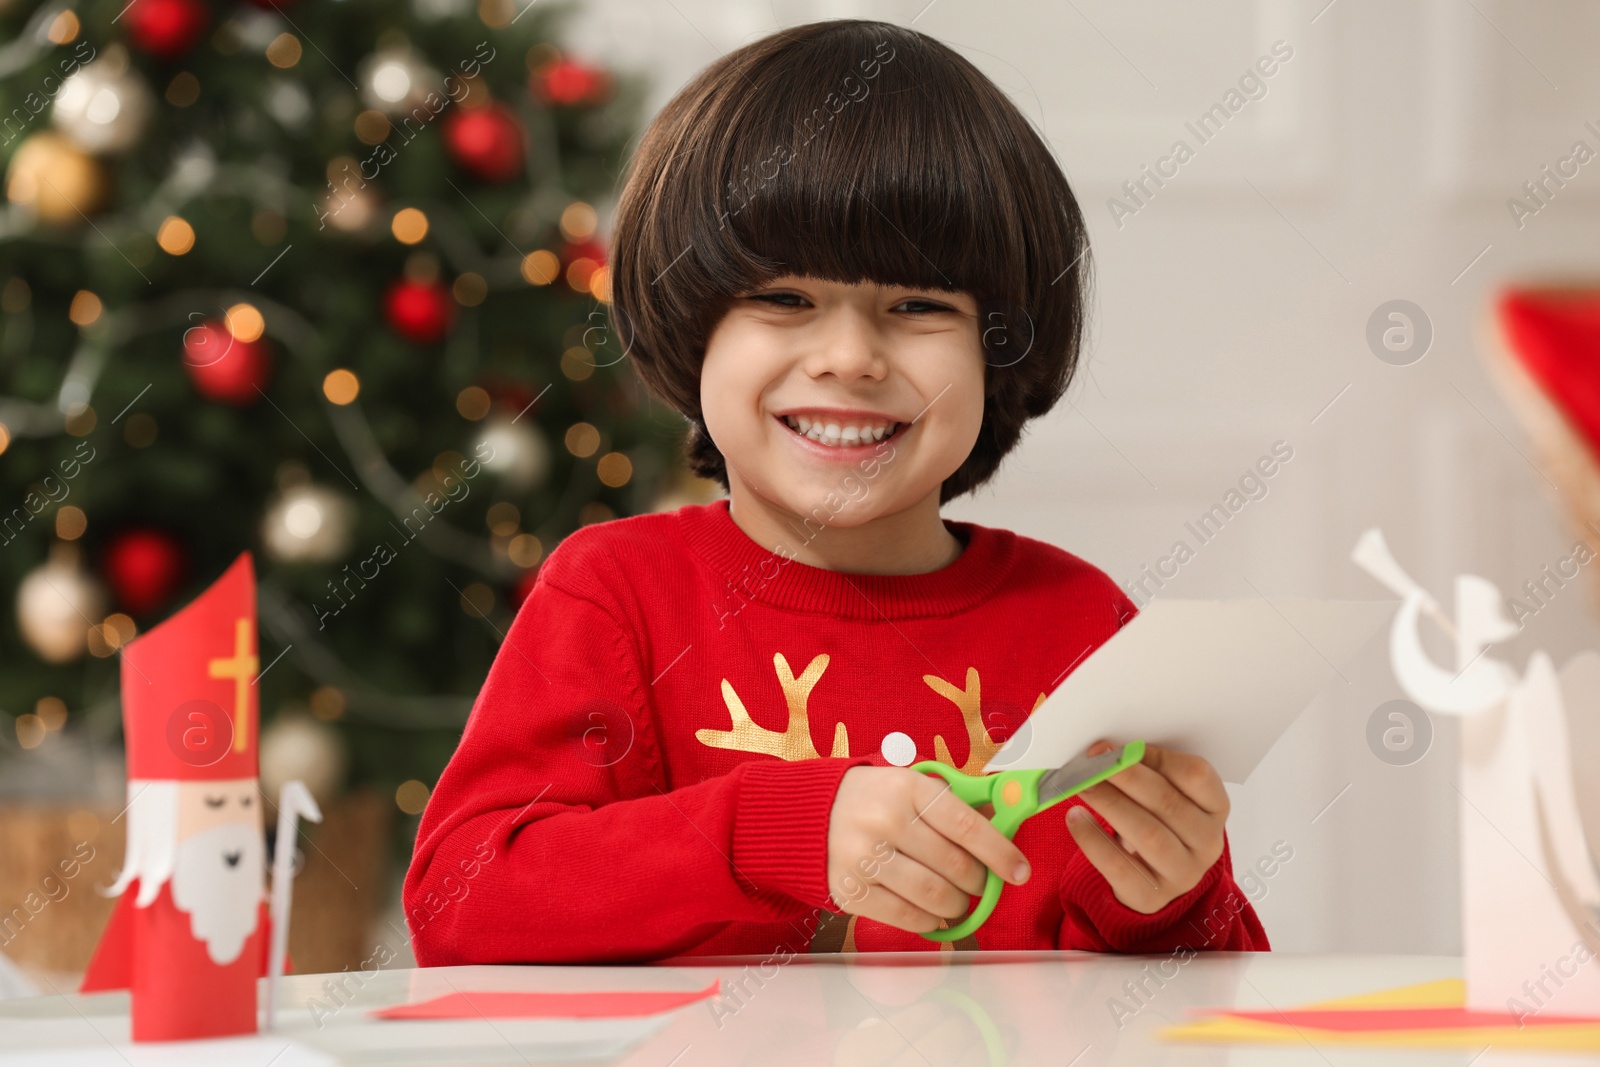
904, 850
1168, 811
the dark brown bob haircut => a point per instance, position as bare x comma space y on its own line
851, 151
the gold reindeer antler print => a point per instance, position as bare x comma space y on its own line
980, 746
794, 742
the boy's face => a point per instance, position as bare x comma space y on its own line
853, 362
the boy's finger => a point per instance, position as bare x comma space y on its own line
923, 888
1156, 794
1190, 775
1128, 877
961, 823
942, 856
888, 907
1144, 833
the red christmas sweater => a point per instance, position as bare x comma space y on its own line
650, 767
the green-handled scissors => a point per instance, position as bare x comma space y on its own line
1018, 796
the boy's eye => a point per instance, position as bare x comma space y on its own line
787, 300
922, 307
245, 799
215, 802
795, 300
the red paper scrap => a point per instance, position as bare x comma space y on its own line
1347, 1020
594, 1005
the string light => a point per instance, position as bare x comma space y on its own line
582, 440
541, 267
579, 271
577, 363
30, 730
245, 322
372, 126
85, 308
341, 386
525, 550
328, 703
614, 469
412, 796
52, 712
70, 523
175, 236
503, 519
118, 630
578, 221
410, 225
63, 28
284, 51
472, 402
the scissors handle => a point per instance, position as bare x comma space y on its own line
1015, 796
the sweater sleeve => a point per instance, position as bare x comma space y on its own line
1212, 915
553, 837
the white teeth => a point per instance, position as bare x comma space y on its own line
836, 435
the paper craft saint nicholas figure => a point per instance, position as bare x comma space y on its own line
189, 933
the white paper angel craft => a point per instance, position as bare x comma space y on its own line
1530, 897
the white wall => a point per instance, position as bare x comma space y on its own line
1232, 308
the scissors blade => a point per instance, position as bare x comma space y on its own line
1066, 779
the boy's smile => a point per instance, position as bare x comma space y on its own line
848, 404
850, 434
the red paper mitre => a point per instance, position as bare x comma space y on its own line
1555, 335
189, 702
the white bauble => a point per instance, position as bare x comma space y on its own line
307, 524
288, 102
517, 452
298, 746
104, 107
349, 207
397, 81
56, 604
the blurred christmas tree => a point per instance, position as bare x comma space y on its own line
324, 281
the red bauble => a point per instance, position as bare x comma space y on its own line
486, 141
166, 28
223, 367
592, 250
419, 311
566, 82
143, 568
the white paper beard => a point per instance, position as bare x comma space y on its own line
222, 899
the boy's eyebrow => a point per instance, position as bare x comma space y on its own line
805, 280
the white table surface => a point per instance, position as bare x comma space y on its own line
981, 1008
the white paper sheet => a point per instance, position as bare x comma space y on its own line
1222, 679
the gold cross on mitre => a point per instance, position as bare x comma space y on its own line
241, 667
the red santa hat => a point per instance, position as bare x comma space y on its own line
1555, 335
190, 705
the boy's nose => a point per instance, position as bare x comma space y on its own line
848, 348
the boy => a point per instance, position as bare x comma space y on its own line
848, 260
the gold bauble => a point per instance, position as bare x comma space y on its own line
55, 604
57, 179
